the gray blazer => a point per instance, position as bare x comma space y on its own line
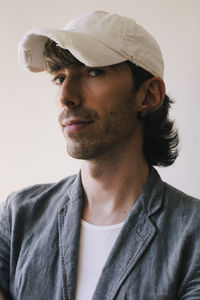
156, 255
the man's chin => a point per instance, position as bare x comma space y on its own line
78, 153
84, 152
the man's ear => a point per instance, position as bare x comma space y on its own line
151, 96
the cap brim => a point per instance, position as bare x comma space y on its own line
85, 48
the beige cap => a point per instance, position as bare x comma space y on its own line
96, 39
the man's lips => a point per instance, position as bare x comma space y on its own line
74, 125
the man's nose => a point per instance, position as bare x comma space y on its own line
70, 92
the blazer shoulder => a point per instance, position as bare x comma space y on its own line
181, 206
178, 195
38, 190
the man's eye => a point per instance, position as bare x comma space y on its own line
95, 72
58, 80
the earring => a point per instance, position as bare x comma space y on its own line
141, 114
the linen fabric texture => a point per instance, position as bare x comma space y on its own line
156, 255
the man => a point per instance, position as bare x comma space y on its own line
114, 231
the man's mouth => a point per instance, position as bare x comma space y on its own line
75, 125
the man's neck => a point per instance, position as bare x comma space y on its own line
112, 186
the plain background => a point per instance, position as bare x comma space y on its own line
32, 149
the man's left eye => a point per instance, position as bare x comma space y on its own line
58, 80
95, 72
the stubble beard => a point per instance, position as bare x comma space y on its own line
108, 136
107, 143
84, 151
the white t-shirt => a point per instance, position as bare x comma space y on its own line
95, 245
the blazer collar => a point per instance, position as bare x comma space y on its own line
150, 198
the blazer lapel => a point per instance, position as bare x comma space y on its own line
69, 232
134, 239
129, 247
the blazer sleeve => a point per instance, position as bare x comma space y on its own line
192, 290
4, 249
190, 285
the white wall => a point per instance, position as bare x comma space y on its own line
32, 149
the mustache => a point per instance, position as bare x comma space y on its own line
79, 113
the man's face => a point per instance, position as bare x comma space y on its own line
97, 108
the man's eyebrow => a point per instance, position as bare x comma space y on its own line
52, 72
65, 66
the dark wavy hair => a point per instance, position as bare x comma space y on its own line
160, 143
161, 138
